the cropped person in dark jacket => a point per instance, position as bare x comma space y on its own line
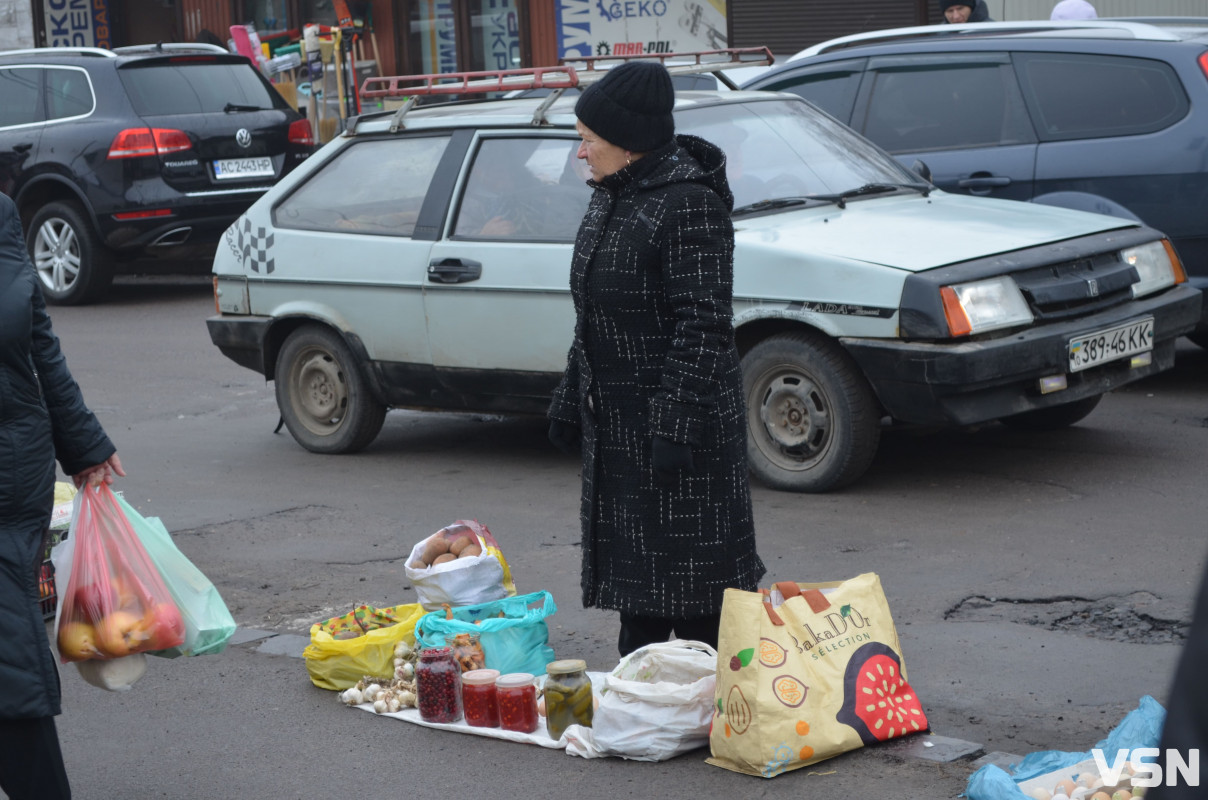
42, 417
958, 12
652, 393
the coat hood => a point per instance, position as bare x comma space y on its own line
688, 158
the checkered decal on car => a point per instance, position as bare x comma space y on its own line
254, 247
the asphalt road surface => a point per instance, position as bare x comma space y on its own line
1041, 583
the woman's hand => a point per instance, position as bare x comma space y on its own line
101, 473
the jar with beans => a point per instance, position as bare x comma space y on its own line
478, 697
438, 685
568, 696
517, 693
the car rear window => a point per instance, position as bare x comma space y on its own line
1087, 96
832, 87
189, 87
373, 187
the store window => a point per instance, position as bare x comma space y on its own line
494, 35
463, 36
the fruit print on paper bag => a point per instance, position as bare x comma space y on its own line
877, 701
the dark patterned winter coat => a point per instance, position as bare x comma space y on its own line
42, 416
654, 355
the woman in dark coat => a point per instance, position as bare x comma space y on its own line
42, 417
652, 393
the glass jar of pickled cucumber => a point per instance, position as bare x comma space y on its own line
568, 696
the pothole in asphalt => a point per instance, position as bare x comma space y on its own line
1140, 617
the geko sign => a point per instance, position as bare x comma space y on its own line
1177, 768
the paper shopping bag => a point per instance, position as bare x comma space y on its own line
806, 672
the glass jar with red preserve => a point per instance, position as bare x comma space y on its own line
438, 685
478, 698
517, 694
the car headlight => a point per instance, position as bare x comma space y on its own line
982, 306
1157, 264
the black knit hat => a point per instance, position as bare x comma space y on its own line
947, 4
630, 106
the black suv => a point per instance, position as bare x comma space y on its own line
1108, 116
113, 156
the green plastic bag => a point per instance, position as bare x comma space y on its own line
208, 622
513, 631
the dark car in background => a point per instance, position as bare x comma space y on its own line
114, 157
1108, 115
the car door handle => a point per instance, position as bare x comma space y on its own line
984, 182
454, 270
24, 147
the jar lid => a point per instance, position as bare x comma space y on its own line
480, 677
429, 653
514, 680
565, 666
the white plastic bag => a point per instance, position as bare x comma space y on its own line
657, 702
116, 674
464, 581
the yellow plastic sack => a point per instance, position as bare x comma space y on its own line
346, 648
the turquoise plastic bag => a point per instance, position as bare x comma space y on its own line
208, 622
512, 631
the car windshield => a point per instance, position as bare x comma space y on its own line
784, 152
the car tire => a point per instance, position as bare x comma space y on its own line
322, 394
73, 266
1055, 417
813, 422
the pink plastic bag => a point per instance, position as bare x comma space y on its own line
114, 602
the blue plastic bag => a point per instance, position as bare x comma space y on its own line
1141, 727
512, 631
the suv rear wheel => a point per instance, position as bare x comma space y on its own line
322, 395
72, 264
812, 419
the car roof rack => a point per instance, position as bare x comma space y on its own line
571, 73
45, 51
1105, 27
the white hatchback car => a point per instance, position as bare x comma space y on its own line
421, 259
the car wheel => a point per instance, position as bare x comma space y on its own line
1054, 417
813, 421
322, 395
72, 264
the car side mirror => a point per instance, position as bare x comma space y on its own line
920, 168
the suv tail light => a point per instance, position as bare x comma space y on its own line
140, 142
1203, 59
300, 133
